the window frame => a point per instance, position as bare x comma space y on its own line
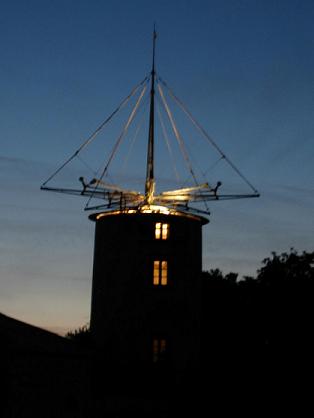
162, 231
159, 349
160, 273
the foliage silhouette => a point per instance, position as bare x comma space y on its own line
287, 266
263, 323
81, 335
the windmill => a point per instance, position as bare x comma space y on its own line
148, 241
191, 198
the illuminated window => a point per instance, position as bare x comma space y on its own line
159, 349
160, 275
161, 230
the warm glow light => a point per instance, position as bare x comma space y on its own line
165, 231
161, 230
146, 209
158, 230
164, 273
156, 272
177, 197
155, 209
160, 274
143, 209
116, 212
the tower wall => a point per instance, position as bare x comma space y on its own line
134, 320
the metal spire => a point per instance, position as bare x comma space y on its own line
150, 181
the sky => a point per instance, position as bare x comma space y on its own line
245, 68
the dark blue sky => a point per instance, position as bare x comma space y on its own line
244, 68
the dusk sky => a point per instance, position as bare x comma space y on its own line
245, 68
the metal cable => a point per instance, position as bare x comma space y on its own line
166, 138
118, 142
96, 132
179, 138
205, 134
132, 142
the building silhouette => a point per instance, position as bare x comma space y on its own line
146, 294
42, 374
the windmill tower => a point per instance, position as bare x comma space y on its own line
146, 290
146, 279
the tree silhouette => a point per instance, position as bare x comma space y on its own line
287, 266
81, 335
263, 321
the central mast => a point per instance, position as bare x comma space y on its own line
150, 181
184, 199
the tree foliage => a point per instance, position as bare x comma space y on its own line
81, 335
256, 316
287, 266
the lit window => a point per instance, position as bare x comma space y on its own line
156, 272
160, 275
164, 272
164, 231
161, 230
159, 349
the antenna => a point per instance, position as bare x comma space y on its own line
150, 181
